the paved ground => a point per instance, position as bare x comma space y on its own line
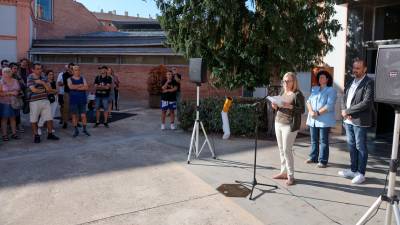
134, 173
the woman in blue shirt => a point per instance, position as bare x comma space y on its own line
321, 117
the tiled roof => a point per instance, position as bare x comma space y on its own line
120, 18
101, 50
109, 43
103, 39
123, 34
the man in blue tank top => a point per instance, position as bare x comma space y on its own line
78, 100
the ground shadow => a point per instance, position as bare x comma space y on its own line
354, 189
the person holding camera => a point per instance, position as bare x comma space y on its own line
168, 100
178, 78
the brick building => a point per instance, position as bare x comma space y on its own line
56, 32
16, 31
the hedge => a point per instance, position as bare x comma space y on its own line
241, 115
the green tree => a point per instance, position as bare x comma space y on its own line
245, 43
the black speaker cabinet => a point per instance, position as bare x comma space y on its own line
387, 76
197, 70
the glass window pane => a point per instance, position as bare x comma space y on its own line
143, 59
44, 9
87, 59
56, 58
154, 60
176, 60
107, 59
132, 59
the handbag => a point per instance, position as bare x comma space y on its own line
51, 98
16, 102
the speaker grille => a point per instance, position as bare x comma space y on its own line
387, 82
197, 70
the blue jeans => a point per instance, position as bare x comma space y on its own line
357, 142
319, 144
102, 102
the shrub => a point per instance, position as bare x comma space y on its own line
154, 81
241, 115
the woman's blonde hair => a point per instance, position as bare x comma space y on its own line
6, 70
295, 82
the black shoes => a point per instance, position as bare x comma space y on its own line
106, 125
36, 139
53, 137
65, 126
96, 124
76, 133
86, 132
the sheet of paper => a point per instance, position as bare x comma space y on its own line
278, 100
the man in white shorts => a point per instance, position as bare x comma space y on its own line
39, 103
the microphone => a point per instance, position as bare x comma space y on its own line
258, 102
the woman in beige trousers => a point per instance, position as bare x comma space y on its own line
287, 124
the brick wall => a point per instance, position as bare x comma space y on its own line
134, 81
69, 18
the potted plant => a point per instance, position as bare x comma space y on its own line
154, 83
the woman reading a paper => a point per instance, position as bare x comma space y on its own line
289, 106
321, 117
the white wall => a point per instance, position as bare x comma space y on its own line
31, 32
304, 79
8, 18
260, 92
8, 50
337, 57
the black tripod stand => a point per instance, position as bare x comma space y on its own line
254, 183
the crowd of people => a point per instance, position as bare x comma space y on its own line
27, 88
33, 91
357, 110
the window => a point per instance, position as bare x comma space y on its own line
176, 60
387, 22
87, 59
56, 58
140, 59
107, 59
44, 9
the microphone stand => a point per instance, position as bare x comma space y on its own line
254, 183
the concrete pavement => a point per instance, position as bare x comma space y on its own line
134, 173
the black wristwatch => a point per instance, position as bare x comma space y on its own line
318, 113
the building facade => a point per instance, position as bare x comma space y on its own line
16, 31
371, 23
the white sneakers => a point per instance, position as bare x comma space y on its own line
40, 131
347, 174
357, 178
172, 126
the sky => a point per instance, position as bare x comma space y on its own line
134, 7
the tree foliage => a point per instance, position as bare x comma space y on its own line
245, 45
